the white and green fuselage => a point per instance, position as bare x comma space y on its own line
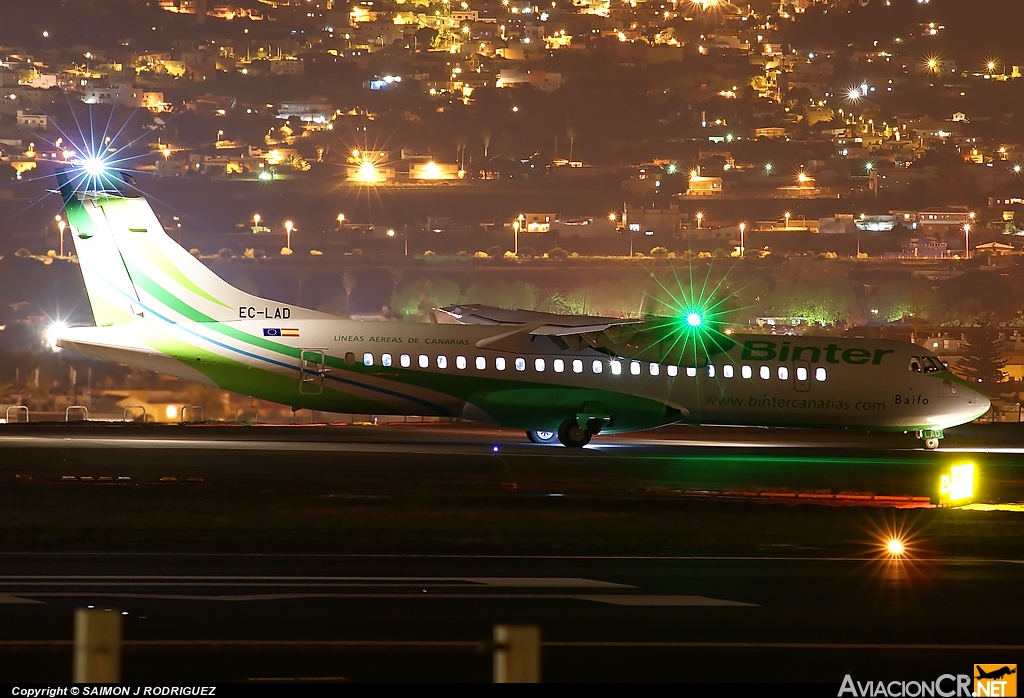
158, 307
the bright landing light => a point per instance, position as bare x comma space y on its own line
693, 320
94, 166
53, 333
895, 547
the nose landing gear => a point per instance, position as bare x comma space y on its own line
930, 437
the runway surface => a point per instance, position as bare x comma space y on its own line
227, 617
389, 553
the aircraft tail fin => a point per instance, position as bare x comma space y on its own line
133, 268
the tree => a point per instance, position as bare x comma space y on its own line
348, 280
983, 361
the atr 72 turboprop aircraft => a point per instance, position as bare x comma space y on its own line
556, 377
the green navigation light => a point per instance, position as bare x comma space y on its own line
693, 319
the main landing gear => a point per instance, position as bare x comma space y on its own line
570, 434
540, 436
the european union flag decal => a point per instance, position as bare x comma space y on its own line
271, 332
280, 332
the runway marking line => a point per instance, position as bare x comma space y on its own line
483, 645
413, 556
647, 600
237, 580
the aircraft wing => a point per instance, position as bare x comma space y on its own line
490, 315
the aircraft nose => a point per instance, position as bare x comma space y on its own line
978, 402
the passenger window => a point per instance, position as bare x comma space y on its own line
931, 365
655, 369
442, 362
385, 360
711, 371
801, 373
819, 374
499, 363
634, 368
746, 371
481, 363
727, 371
460, 362
783, 373
577, 366
424, 361
520, 364
915, 364
765, 373
673, 371
616, 368
691, 372
596, 366
405, 360
558, 365
538, 365
367, 359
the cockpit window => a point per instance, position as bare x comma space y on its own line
925, 364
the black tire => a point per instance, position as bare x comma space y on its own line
572, 435
542, 436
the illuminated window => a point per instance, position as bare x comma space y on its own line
367, 359
783, 373
442, 362
385, 359
819, 374
801, 373
499, 363
481, 363
596, 366
558, 365
765, 373
424, 360
460, 362
655, 369
405, 360
746, 371
727, 371
520, 364
634, 368
577, 366
691, 372
711, 371
538, 365
673, 371
616, 368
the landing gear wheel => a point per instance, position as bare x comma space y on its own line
931, 443
540, 436
572, 435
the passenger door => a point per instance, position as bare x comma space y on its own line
311, 371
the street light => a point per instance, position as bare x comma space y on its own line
405, 237
220, 133
61, 225
700, 218
743, 226
288, 227
787, 214
341, 219
767, 168
967, 240
515, 229
256, 220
